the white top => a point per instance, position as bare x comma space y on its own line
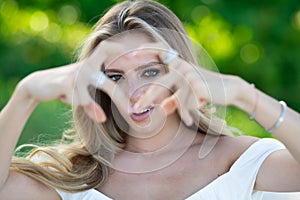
236, 184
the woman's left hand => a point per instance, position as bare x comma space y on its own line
194, 87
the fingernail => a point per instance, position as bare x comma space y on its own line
100, 115
102, 119
132, 54
202, 102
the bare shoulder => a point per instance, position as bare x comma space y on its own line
235, 146
20, 186
239, 142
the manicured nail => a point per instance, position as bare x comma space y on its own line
132, 54
202, 102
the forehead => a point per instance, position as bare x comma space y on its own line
132, 39
129, 57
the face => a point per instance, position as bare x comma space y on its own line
134, 73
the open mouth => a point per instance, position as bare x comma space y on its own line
144, 114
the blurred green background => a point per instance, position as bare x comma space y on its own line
258, 40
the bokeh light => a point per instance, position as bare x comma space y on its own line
53, 33
199, 12
297, 20
68, 14
250, 53
39, 21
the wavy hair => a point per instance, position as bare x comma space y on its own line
85, 162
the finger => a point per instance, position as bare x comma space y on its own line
202, 103
183, 107
178, 101
90, 106
164, 53
198, 86
153, 47
84, 97
170, 56
186, 117
155, 90
95, 112
100, 81
169, 105
171, 79
106, 50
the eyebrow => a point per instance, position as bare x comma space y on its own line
139, 68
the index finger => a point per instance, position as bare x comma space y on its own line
167, 81
155, 90
103, 52
100, 81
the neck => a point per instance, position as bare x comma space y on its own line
143, 155
172, 129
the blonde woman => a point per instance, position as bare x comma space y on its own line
143, 122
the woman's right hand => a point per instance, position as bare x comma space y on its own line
70, 83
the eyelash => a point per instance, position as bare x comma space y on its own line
113, 77
156, 71
117, 77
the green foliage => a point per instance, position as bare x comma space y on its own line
257, 40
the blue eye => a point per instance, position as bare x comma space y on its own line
115, 77
151, 72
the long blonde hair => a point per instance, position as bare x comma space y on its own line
84, 163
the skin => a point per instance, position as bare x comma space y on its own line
186, 174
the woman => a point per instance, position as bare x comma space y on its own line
143, 126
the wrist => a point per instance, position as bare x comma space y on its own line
246, 96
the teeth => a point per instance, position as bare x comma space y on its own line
143, 111
147, 109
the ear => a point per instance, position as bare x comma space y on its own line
170, 104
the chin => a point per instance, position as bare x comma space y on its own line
150, 126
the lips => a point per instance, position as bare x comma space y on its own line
141, 116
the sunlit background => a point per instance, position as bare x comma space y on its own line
258, 40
